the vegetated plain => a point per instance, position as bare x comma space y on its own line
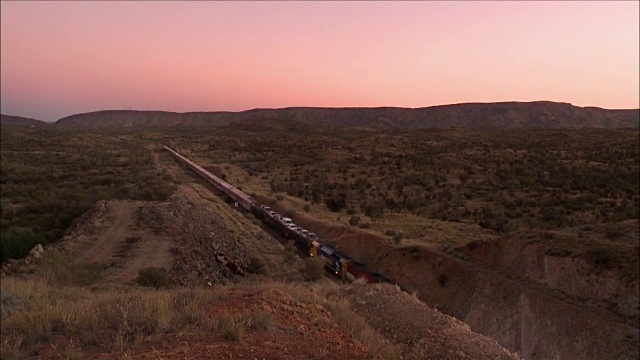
60, 306
404, 183
428, 187
49, 177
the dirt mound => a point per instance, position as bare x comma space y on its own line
420, 330
183, 235
276, 326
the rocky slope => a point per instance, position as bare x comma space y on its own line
542, 114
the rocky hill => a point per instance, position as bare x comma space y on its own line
542, 114
9, 120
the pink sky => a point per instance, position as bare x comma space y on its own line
62, 58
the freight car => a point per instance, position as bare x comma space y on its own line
340, 264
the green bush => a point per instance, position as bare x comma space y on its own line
17, 241
156, 277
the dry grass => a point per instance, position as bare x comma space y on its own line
327, 294
34, 314
232, 328
76, 321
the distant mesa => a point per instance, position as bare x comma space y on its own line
8, 120
510, 115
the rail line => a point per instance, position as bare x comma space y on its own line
337, 262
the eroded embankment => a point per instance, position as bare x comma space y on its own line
529, 317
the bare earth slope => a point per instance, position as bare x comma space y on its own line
543, 314
542, 114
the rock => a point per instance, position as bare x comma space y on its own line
37, 251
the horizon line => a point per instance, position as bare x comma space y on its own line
326, 107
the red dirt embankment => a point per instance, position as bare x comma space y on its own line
536, 319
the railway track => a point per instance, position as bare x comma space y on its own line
307, 242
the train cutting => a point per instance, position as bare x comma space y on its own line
309, 243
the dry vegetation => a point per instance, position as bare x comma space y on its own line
38, 320
50, 177
406, 184
412, 187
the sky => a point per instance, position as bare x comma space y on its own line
63, 58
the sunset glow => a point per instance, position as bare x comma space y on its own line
62, 58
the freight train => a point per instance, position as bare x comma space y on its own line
340, 264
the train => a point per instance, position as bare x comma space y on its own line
341, 265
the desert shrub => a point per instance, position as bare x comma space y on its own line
156, 277
290, 252
290, 213
17, 241
306, 207
599, 256
613, 231
232, 328
256, 266
86, 274
313, 269
390, 232
10, 302
442, 279
63, 270
397, 237
473, 244
279, 197
336, 202
374, 210
261, 320
354, 220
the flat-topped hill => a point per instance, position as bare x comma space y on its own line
542, 114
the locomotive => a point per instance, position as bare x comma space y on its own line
340, 264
